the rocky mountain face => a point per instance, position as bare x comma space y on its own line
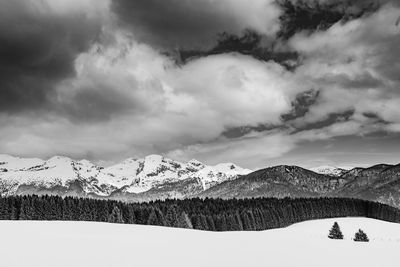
378, 183
148, 178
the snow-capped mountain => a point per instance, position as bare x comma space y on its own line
329, 170
54, 172
130, 176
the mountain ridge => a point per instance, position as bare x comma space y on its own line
132, 176
156, 177
379, 183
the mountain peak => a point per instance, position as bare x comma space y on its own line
229, 167
5, 157
329, 170
154, 158
195, 163
59, 159
85, 162
129, 161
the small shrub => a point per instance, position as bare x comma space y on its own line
360, 236
335, 232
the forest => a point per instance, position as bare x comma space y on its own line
203, 214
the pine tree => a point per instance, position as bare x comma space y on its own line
25, 211
156, 217
153, 220
171, 217
115, 216
211, 223
131, 215
360, 236
183, 221
246, 221
335, 232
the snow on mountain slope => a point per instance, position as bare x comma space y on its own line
14, 163
131, 175
329, 170
213, 175
140, 175
56, 171
44, 244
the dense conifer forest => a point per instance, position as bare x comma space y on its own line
203, 214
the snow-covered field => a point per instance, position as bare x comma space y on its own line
86, 244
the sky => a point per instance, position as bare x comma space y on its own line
258, 83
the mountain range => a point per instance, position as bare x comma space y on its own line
140, 179
156, 177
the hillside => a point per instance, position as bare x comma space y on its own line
84, 244
279, 181
379, 183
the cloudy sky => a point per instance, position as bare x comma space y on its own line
258, 83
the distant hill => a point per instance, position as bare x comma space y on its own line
377, 183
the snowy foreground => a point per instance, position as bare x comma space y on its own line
75, 244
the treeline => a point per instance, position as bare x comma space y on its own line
203, 214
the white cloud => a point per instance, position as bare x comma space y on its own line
232, 89
252, 151
127, 99
353, 64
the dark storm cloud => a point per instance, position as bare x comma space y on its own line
314, 15
95, 105
301, 104
250, 43
37, 50
331, 119
167, 23
245, 130
365, 80
193, 24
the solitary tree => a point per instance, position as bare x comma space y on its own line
360, 236
335, 232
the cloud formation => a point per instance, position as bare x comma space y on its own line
194, 24
90, 79
39, 43
156, 105
354, 65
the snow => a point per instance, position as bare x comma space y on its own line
86, 244
133, 175
329, 170
120, 174
16, 163
55, 171
195, 163
212, 175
